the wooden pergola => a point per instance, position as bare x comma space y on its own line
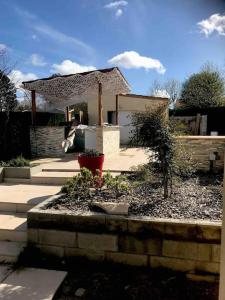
62, 91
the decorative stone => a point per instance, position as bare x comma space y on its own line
80, 292
113, 208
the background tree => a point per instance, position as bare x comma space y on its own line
204, 89
8, 100
170, 88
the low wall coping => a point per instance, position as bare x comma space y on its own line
44, 126
38, 209
199, 137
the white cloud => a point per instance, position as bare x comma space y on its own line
161, 93
37, 60
34, 37
215, 23
132, 59
69, 67
17, 77
116, 4
3, 47
119, 12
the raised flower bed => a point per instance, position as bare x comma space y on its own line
19, 168
66, 226
184, 245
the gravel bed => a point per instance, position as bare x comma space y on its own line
199, 197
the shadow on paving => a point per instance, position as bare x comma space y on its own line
104, 281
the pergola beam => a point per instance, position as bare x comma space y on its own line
33, 106
100, 109
117, 110
67, 113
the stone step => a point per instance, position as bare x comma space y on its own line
18, 197
17, 180
31, 283
53, 178
13, 227
9, 251
56, 178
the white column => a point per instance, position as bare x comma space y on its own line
222, 255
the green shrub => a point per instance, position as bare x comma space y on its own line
84, 185
183, 163
143, 172
91, 153
19, 161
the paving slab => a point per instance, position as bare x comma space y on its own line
4, 272
9, 251
26, 193
31, 283
13, 227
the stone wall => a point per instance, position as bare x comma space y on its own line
108, 139
189, 246
202, 147
46, 141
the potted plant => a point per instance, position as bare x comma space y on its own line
92, 160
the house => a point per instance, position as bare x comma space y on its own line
127, 104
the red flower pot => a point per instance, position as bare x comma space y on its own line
92, 163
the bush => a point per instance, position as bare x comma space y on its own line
143, 173
19, 161
84, 185
183, 163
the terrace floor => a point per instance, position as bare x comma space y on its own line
123, 161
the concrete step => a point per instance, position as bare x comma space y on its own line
13, 227
17, 197
9, 251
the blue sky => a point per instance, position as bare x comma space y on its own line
147, 39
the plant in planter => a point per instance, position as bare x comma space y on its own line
19, 167
92, 160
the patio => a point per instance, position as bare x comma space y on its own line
119, 162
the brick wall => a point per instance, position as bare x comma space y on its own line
175, 244
46, 141
202, 146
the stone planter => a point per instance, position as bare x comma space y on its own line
188, 246
1, 174
21, 172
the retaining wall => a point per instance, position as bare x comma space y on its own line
189, 246
202, 147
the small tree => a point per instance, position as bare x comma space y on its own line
170, 88
152, 131
8, 100
203, 89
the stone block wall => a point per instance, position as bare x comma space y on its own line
108, 139
46, 141
189, 246
202, 146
